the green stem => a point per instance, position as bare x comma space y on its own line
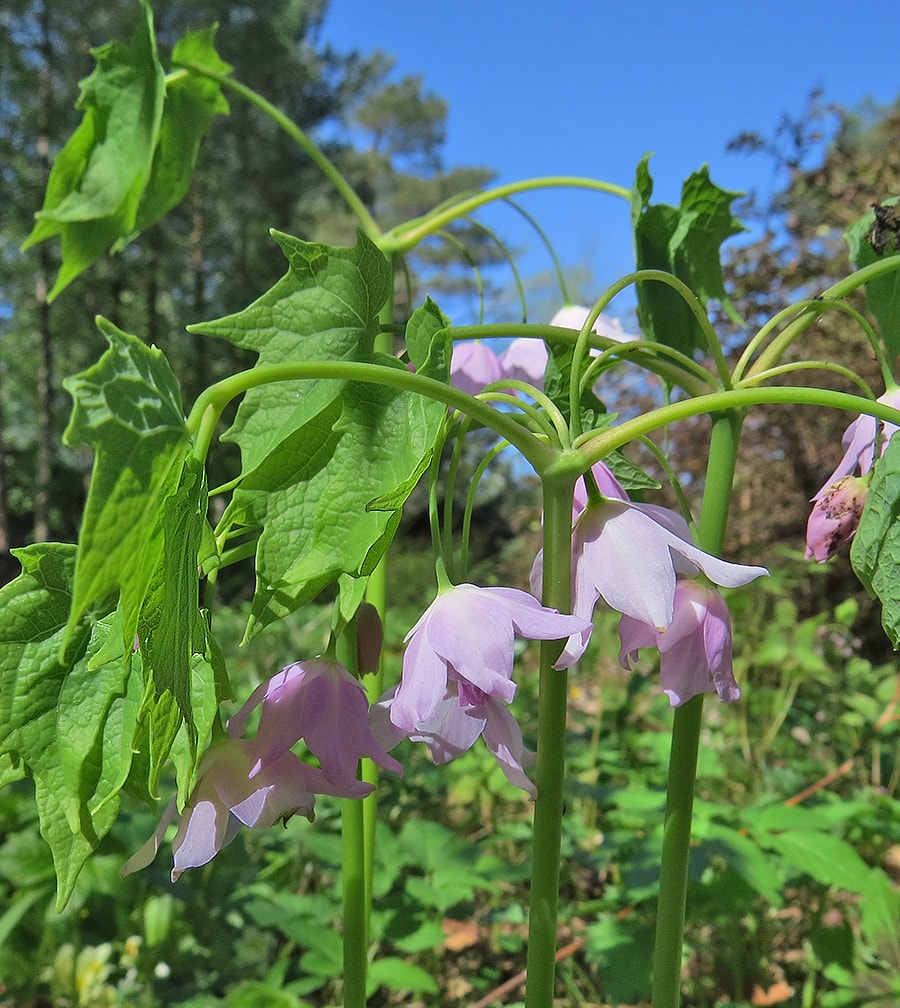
686, 727
406, 236
343, 187
212, 401
355, 922
356, 903
811, 311
558, 488
597, 446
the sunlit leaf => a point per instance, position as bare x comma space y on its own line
875, 551
127, 407
324, 308
191, 102
97, 180
683, 241
68, 719
327, 464
131, 158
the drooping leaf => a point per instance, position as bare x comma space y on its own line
131, 158
170, 624
69, 719
875, 551
873, 237
191, 102
97, 180
127, 407
683, 241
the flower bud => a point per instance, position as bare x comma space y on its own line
835, 517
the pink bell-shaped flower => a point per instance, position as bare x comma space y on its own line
473, 366
320, 702
694, 650
466, 636
629, 555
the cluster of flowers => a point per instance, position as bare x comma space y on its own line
474, 364
457, 678
838, 505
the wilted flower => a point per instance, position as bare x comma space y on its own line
466, 636
473, 365
320, 702
859, 443
463, 714
835, 516
694, 650
629, 555
227, 797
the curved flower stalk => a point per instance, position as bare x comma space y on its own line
630, 556
694, 650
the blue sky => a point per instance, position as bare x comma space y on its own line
587, 88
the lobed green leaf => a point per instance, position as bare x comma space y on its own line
683, 241
131, 158
327, 465
68, 718
127, 407
875, 551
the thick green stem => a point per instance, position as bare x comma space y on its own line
376, 595
550, 775
686, 741
209, 404
355, 916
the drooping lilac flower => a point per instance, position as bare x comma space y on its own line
694, 650
835, 516
466, 636
574, 317
227, 797
473, 366
859, 443
462, 716
629, 555
525, 360
320, 702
